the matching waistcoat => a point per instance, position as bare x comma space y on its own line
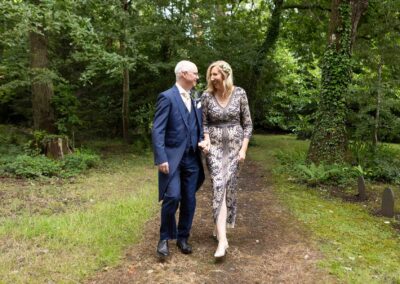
193, 135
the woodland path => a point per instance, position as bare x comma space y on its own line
267, 244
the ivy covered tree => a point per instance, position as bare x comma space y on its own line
329, 139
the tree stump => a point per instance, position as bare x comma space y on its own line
57, 147
388, 203
362, 194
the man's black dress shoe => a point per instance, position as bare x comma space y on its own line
162, 248
184, 246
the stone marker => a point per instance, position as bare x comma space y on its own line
362, 194
388, 203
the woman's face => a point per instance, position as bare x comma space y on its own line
216, 77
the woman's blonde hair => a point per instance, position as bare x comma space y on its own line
227, 76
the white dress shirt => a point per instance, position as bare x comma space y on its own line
185, 97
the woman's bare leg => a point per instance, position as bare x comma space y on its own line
221, 229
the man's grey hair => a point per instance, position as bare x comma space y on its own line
183, 66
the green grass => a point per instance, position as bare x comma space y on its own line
357, 247
63, 232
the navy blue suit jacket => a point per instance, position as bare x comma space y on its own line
170, 134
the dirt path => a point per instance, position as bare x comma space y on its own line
267, 245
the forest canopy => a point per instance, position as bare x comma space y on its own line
86, 68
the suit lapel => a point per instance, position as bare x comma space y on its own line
181, 106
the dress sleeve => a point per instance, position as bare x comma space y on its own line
245, 117
204, 106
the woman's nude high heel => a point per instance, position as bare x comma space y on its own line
221, 249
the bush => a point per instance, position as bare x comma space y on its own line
20, 156
381, 162
78, 162
32, 167
377, 163
294, 163
291, 157
337, 174
40, 166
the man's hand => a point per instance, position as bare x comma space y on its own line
164, 168
204, 146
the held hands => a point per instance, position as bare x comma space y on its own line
164, 168
204, 146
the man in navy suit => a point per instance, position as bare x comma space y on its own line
177, 130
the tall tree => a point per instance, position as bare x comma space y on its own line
376, 52
266, 48
329, 139
42, 85
125, 72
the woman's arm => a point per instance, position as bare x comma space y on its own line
247, 125
205, 144
243, 150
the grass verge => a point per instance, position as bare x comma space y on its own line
357, 247
78, 227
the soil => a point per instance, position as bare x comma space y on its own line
267, 244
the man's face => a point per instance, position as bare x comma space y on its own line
191, 76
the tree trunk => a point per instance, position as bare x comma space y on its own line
125, 105
378, 103
42, 85
268, 45
57, 147
329, 139
125, 84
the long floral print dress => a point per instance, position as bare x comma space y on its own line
226, 126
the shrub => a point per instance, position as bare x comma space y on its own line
291, 157
381, 162
337, 174
40, 166
78, 162
32, 167
294, 163
20, 156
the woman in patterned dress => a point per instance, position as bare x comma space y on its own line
227, 130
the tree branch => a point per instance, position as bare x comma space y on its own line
305, 7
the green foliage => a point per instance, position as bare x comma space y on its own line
89, 44
379, 163
294, 162
40, 166
317, 174
376, 75
78, 162
142, 118
12, 141
66, 106
82, 226
357, 246
21, 157
13, 135
31, 167
329, 138
288, 94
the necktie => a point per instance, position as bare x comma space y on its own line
186, 100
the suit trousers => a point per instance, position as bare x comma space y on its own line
181, 192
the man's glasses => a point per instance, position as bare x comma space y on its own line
194, 73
